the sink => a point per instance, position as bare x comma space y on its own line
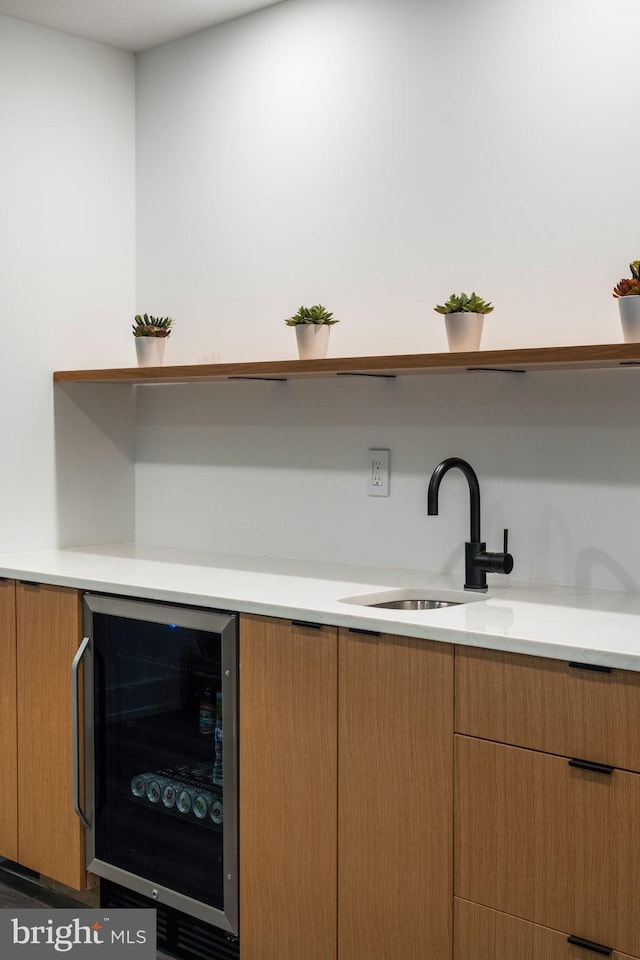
416, 598
416, 604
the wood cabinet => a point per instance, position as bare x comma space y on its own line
545, 841
547, 827
484, 934
49, 629
549, 705
40, 631
395, 798
8, 723
346, 780
288, 790
348, 839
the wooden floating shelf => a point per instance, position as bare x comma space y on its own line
589, 357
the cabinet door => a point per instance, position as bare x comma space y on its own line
547, 842
49, 628
8, 734
485, 934
395, 798
288, 786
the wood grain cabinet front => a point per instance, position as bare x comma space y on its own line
287, 789
395, 798
346, 794
484, 934
8, 723
40, 629
544, 840
549, 705
547, 799
49, 630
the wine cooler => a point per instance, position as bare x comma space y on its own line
154, 688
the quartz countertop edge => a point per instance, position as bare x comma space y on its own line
599, 627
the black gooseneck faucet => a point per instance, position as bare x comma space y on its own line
477, 561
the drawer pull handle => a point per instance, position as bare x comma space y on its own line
366, 633
592, 766
306, 623
595, 667
590, 945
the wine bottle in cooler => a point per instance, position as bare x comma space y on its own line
217, 761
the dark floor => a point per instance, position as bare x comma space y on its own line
20, 889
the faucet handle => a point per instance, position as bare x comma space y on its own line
506, 560
495, 562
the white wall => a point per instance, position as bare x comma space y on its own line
280, 468
67, 274
375, 155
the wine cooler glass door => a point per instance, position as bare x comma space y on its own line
164, 753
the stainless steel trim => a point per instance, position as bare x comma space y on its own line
212, 621
229, 671
155, 891
75, 728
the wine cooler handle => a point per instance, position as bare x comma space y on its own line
75, 728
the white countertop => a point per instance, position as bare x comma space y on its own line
566, 623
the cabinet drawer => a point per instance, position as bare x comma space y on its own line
547, 842
485, 934
548, 705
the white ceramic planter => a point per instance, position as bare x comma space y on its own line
630, 318
464, 331
313, 340
150, 351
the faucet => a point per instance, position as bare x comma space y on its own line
477, 561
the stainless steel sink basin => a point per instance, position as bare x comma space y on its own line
416, 604
416, 598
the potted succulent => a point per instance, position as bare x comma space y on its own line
464, 319
312, 331
150, 335
627, 293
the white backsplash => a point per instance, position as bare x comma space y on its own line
279, 469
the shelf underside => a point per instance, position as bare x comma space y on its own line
591, 356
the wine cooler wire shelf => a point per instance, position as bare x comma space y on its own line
180, 792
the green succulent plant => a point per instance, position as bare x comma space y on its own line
464, 304
315, 314
629, 286
146, 326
